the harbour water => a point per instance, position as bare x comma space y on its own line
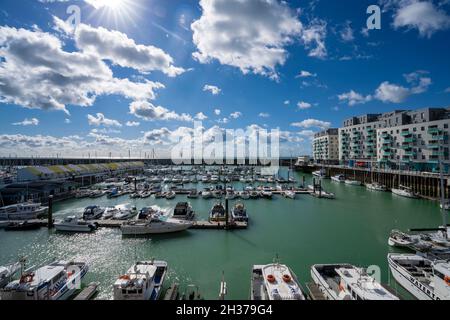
354, 228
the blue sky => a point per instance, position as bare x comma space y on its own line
299, 66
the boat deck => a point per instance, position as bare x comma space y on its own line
88, 292
314, 291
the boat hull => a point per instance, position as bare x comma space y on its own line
143, 230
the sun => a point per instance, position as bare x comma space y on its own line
116, 13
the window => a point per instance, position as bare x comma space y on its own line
445, 125
414, 129
422, 129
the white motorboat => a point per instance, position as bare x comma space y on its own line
239, 213
214, 179
23, 211
217, 213
266, 194
404, 192
231, 195
96, 194
423, 278
7, 273
289, 194
56, 281
143, 281
125, 212
93, 213
254, 194
401, 239
170, 195
154, 225
275, 282
145, 194
338, 178
109, 213
446, 206
206, 194
319, 174
73, 224
347, 282
322, 194
245, 195
193, 194
183, 211
376, 187
352, 182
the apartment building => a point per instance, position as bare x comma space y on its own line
413, 140
326, 146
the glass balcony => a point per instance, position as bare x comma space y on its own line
385, 135
405, 133
434, 130
409, 140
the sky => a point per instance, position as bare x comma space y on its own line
134, 76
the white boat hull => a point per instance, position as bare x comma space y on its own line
69, 228
404, 193
146, 230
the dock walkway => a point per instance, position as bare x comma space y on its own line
314, 291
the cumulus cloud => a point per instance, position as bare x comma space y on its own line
312, 123
236, 115
264, 115
35, 72
302, 105
346, 33
306, 74
213, 89
217, 112
390, 92
101, 120
133, 124
201, 116
249, 35
423, 16
354, 98
147, 111
27, 122
313, 37
123, 51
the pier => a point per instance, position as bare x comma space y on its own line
87, 293
314, 291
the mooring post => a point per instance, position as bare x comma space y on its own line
50, 212
226, 213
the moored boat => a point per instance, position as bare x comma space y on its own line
93, 213
338, 178
404, 192
154, 225
239, 212
347, 282
375, 186
23, 211
143, 281
23, 226
7, 273
183, 211
275, 282
217, 213
73, 224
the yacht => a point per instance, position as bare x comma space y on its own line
56, 281
404, 192
254, 194
207, 194
401, 239
125, 212
338, 178
231, 195
214, 179
239, 213
319, 174
73, 224
193, 194
93, 213
205, 179
352, 182
145, 194
154, 224
423, 278
267, 194
96, 194
217, 213
275, 282
7, 273
143, 281
170, 195
245, 195
23, 211
289, 194
183, 211
376, 187
109, 213
347, 282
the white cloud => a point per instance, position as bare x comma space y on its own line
123, 51
249, 35
201, 116
147, 111
421, 15
264, 115
236, 115
388, 92
217, 112
67, 121
354, 98
286, 102
312, 123
346, 33
36, 72
101, 120
27, 122
213, 89
313, 38
133, 124
306, 74
302, 105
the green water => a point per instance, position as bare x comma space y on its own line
353, 228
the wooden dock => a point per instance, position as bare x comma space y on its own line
314, 291
88, 292
218, 225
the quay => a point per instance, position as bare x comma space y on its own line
88, 293
425, 184
314, 291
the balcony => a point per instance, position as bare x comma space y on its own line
385, 135
370, 143
410, 153
409, 140
434, 130
384, 148
406, 146
406, 133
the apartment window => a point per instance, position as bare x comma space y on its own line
392, 131
422, 129
397, 131
419, 136
423, 157
445, 125
414, 129
422, 115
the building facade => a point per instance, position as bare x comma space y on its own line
412, 140
326, 146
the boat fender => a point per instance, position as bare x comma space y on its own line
447, 280
271, 278
287, 278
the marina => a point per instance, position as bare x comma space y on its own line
276, 225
